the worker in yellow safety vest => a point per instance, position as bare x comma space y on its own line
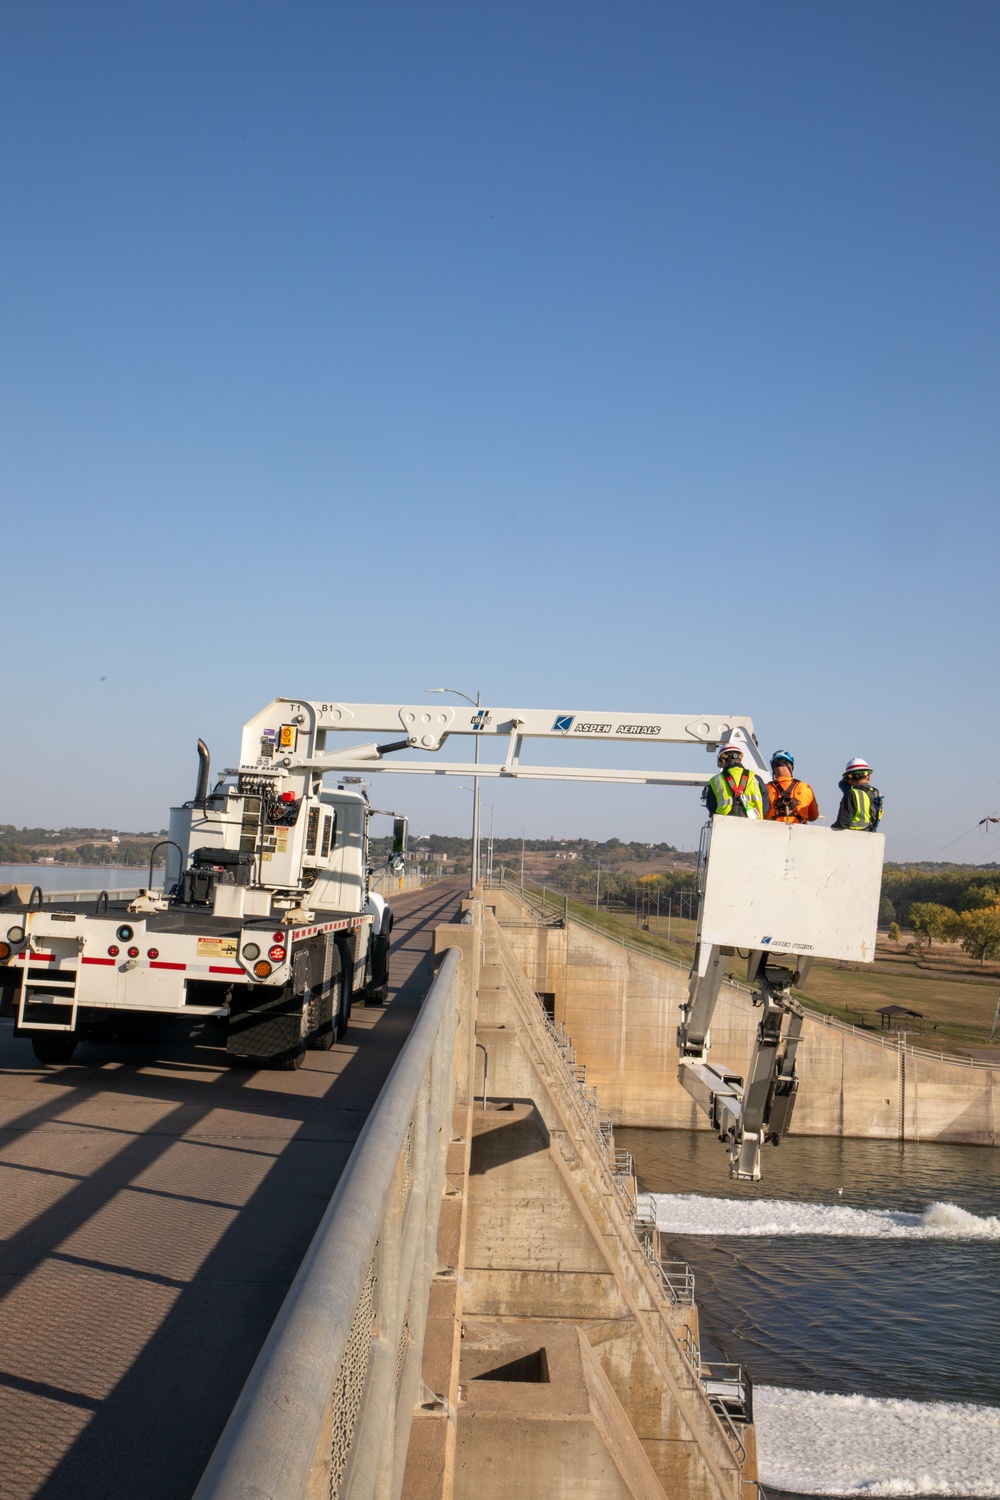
735, 792
861, 804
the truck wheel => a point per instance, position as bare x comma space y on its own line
329, 1029
54, 1049
341, 1004
286, 1064
378, 959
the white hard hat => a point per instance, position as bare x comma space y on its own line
857, 764
733, 748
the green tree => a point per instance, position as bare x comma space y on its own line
931, 919
894, 932
980, 932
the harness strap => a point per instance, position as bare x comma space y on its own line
785, 803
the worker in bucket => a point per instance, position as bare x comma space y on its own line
861, 804
735, 792
788, 800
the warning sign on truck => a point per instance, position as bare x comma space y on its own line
217, 947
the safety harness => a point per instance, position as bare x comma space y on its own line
784, 803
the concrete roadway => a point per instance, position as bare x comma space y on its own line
155, 1204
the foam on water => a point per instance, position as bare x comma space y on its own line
689, 1213
813, 1443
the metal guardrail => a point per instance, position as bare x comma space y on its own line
531, 896
388, 884
327, 1407
117, 893
680, 1279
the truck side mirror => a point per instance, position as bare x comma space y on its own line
399, 830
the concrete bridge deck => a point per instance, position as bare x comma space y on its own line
155, 1204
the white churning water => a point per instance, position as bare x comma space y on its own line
817, 1444
688, 1213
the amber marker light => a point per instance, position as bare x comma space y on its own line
262, 969
4, 950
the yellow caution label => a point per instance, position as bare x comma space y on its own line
217, 947
286, 737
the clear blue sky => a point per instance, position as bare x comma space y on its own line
633, 356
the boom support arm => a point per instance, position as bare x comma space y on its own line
745, 1115
293, 734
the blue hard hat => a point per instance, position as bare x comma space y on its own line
784, 755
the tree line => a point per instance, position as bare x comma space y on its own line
75, 846
953, 903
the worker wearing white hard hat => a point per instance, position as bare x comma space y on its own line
861, 803
736, 792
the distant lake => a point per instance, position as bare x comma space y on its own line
76, 877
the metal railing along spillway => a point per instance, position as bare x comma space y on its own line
327, 1407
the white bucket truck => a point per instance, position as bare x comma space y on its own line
265, 932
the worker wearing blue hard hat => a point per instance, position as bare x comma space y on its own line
788, 800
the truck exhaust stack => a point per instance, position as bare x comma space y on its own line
204, 761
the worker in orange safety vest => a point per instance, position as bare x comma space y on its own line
788, 800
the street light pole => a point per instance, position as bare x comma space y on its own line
476, 703
521, 826
489, 845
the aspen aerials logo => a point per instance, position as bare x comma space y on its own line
563, 723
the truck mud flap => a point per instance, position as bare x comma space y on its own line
271, 1030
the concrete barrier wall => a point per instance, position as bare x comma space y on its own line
623, 1009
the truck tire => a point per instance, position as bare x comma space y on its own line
58, 1048
286, 1064
344, 1001
325, 1025
328, 1027
378, 962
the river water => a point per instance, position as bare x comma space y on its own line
76, 877
859, 1284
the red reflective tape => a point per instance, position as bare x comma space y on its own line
159, 964
221, 969
43, 958
97, 961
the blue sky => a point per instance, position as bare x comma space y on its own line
636, 356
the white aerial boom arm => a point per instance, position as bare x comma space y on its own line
292, 735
